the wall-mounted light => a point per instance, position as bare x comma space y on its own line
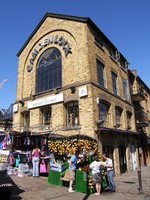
32, 97
100, 121
21, 102
56, 91
117, 125
129, 127
73, 89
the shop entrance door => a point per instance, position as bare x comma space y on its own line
122, 159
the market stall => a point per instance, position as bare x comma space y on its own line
84, 182
62, 148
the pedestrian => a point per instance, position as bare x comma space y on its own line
35, 161
72, 167
96, 175
110, 172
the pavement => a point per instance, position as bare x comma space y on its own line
127, 184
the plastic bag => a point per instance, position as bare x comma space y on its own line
43, 167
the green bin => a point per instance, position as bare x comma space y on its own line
81, 182
54, 178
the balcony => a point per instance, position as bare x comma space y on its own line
141, 119
137, 93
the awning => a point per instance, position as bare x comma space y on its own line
103, 129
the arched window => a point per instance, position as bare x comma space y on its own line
49, 70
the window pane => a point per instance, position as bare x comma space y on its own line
46, 115
129, 120
103, 111
118, 116
126, 90
26, 119
72, 114
49, 70
100, 71
114, 82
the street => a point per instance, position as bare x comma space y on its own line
39, 189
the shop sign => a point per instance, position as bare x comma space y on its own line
15, 108
46, 101
82, 91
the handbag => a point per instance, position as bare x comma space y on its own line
43, 167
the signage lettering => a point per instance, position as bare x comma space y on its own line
46, 101
60, 40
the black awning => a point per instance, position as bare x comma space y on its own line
103, 129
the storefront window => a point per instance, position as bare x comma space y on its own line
49, 70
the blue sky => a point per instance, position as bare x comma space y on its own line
126, 23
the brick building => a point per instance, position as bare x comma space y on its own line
140, 94
73, 80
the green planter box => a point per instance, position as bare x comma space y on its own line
54, 178
81, 182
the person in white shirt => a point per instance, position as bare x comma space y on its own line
110, 172
96, 176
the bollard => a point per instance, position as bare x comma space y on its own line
140, 181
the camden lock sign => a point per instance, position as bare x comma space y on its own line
60, 40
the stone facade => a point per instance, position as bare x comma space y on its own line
141, 100
79, 71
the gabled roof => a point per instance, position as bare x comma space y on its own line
71, 18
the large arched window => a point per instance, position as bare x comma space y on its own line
49, 70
